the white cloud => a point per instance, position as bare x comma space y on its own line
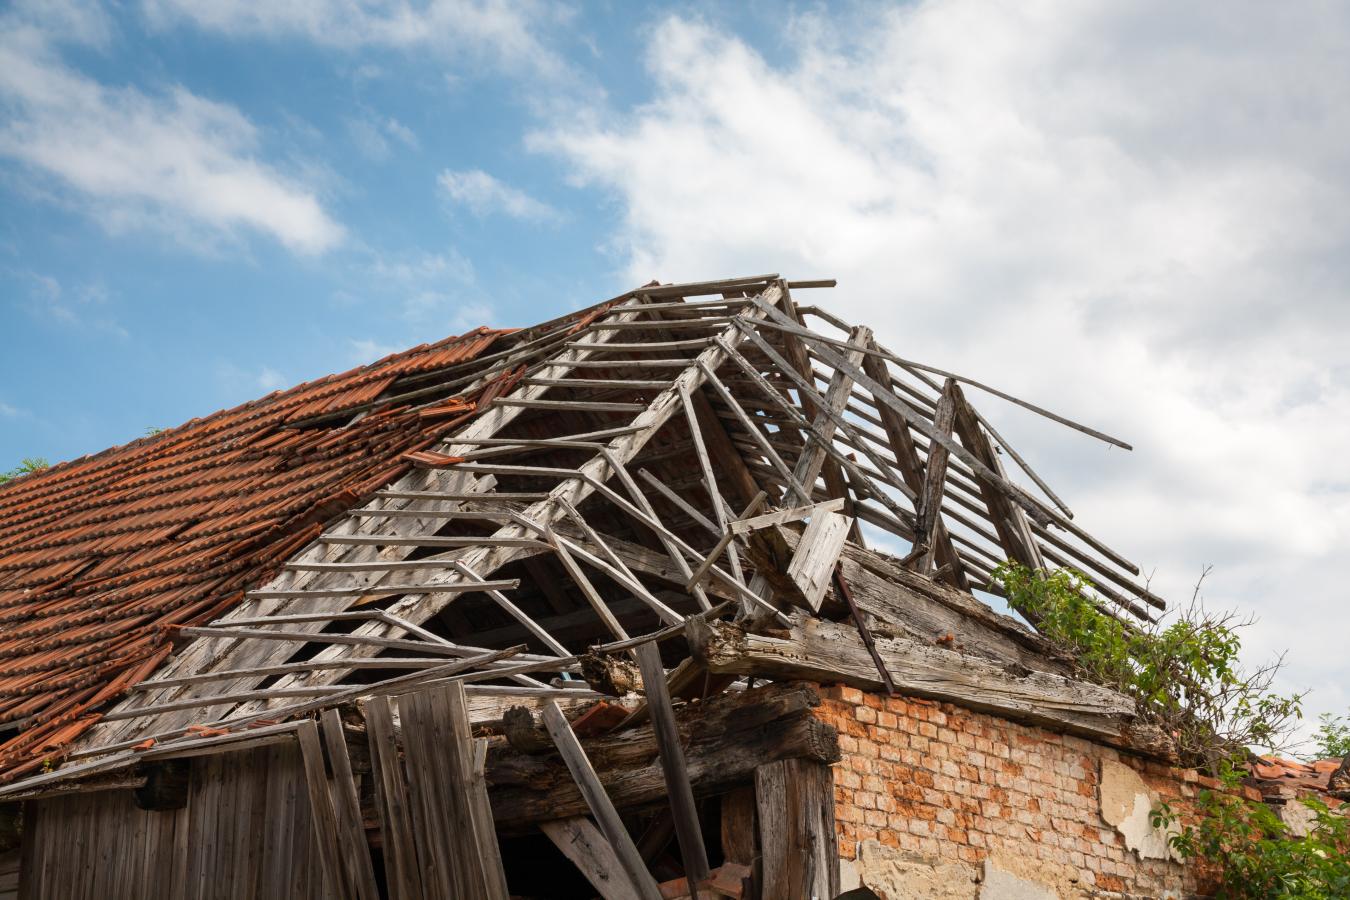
82, 306
485, 195
170, 160
269, 379
363, 352
372, 136
492, 32
9, 412
1135, 213
239, 380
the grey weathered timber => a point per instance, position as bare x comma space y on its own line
814, 559
934, 481
391, 799
724, 739
347, 804
245, 832
582, 843
833, 652
662, 714
599, 803
321, 809
794, 805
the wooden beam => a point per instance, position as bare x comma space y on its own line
351, 829
321, 808
728, 736
934, 482
912, 470
391, 801
582, 843
687, 828
794, 802
1007, 517
832, 652
601, 807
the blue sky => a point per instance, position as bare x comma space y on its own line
127, 312
1135, 213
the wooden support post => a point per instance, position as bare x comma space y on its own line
391, 800
794, 801
611, 826
911, 469
673, 766
1008, 518
351, 831
740, 831
934, 481
321, 808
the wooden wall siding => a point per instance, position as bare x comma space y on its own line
440, 785
245, 833
9, 875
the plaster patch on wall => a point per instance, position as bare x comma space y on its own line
897, 875
1000, 884
1126, 805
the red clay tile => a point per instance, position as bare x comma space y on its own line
100, 556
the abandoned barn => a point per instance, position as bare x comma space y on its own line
674, 595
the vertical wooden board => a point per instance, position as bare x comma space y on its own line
30, 856
740, 837
478, 841
276, 826
391, 798
321, 813
794, 802
430, 821
348, 805
445, 767
484, 824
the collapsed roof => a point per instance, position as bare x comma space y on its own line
499, 502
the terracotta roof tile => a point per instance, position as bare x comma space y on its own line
100, 554
1287, 778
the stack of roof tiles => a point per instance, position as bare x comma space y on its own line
1287, 778
100, 555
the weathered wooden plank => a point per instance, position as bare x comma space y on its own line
582, 843
351, 831
391, 801
833, 652
321, 808
794, 804
814, 559
673, 766
724, 738
601, 807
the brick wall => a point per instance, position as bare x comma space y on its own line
925, 785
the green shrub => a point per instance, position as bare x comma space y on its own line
1184, 676
1251, 854
32, 464
1332, 738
